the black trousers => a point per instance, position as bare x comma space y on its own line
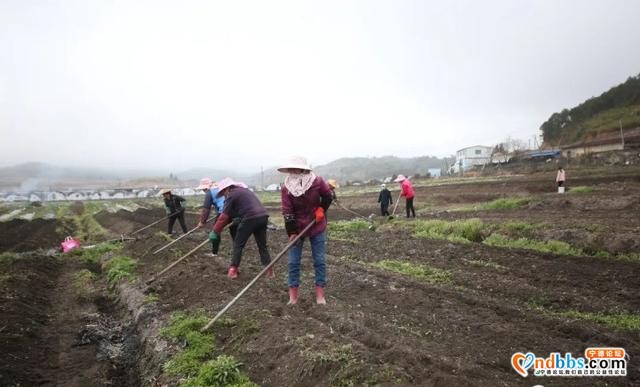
410, 208
384, 209
172, 220
247, 227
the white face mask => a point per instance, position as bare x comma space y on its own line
299, 183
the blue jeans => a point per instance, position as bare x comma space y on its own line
317, 252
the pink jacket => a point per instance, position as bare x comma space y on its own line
560, 176
407, 189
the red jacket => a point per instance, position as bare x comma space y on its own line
407, 189
302, 208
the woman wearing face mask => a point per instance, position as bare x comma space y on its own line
305, 198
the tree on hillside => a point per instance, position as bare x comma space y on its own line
625, 94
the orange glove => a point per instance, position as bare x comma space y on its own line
319, 214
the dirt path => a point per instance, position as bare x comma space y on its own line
59, 331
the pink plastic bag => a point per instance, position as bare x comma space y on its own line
69, 244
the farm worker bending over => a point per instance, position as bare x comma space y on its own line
211, 199
240, 202
560, 177
174, 205
305, 198
407, 192
385, 200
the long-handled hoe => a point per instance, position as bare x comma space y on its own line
154, 223
253, 281
395, 207
371, 225
176, 240
177, 261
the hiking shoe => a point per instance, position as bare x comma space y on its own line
293, 296
214, 255
233, 272
320, 296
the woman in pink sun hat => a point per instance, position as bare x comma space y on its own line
305, 198
242, 203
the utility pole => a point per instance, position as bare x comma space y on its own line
621, 134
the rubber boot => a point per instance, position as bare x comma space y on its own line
293, 296
320, 296
270, 273
233, 272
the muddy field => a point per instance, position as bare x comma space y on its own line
380, 327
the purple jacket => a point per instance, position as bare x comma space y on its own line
303, 207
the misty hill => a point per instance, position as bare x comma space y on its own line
33, 176
361, 168
596, 116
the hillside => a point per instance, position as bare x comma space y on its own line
32, 176
361, 168
596, 116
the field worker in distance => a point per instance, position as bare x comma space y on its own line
241, 202
175, 205
560, 177
406, 190
211, 198
385, 200
305, 198
332, 186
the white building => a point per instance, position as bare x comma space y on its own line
469, 157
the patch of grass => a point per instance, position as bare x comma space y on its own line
87, 228
120, 268
343, 230
82, 279
182, 323
342, 354
504, 204
151, 298
423, 272
619, 320
93, 255
194, 360
550, 246
482, 263
199, 346
222, 371
517, 228
628, 257
8, 258
464, 231
349, 225
580, 189
4, 278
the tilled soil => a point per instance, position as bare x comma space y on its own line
384, 328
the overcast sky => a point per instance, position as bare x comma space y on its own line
240, 84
